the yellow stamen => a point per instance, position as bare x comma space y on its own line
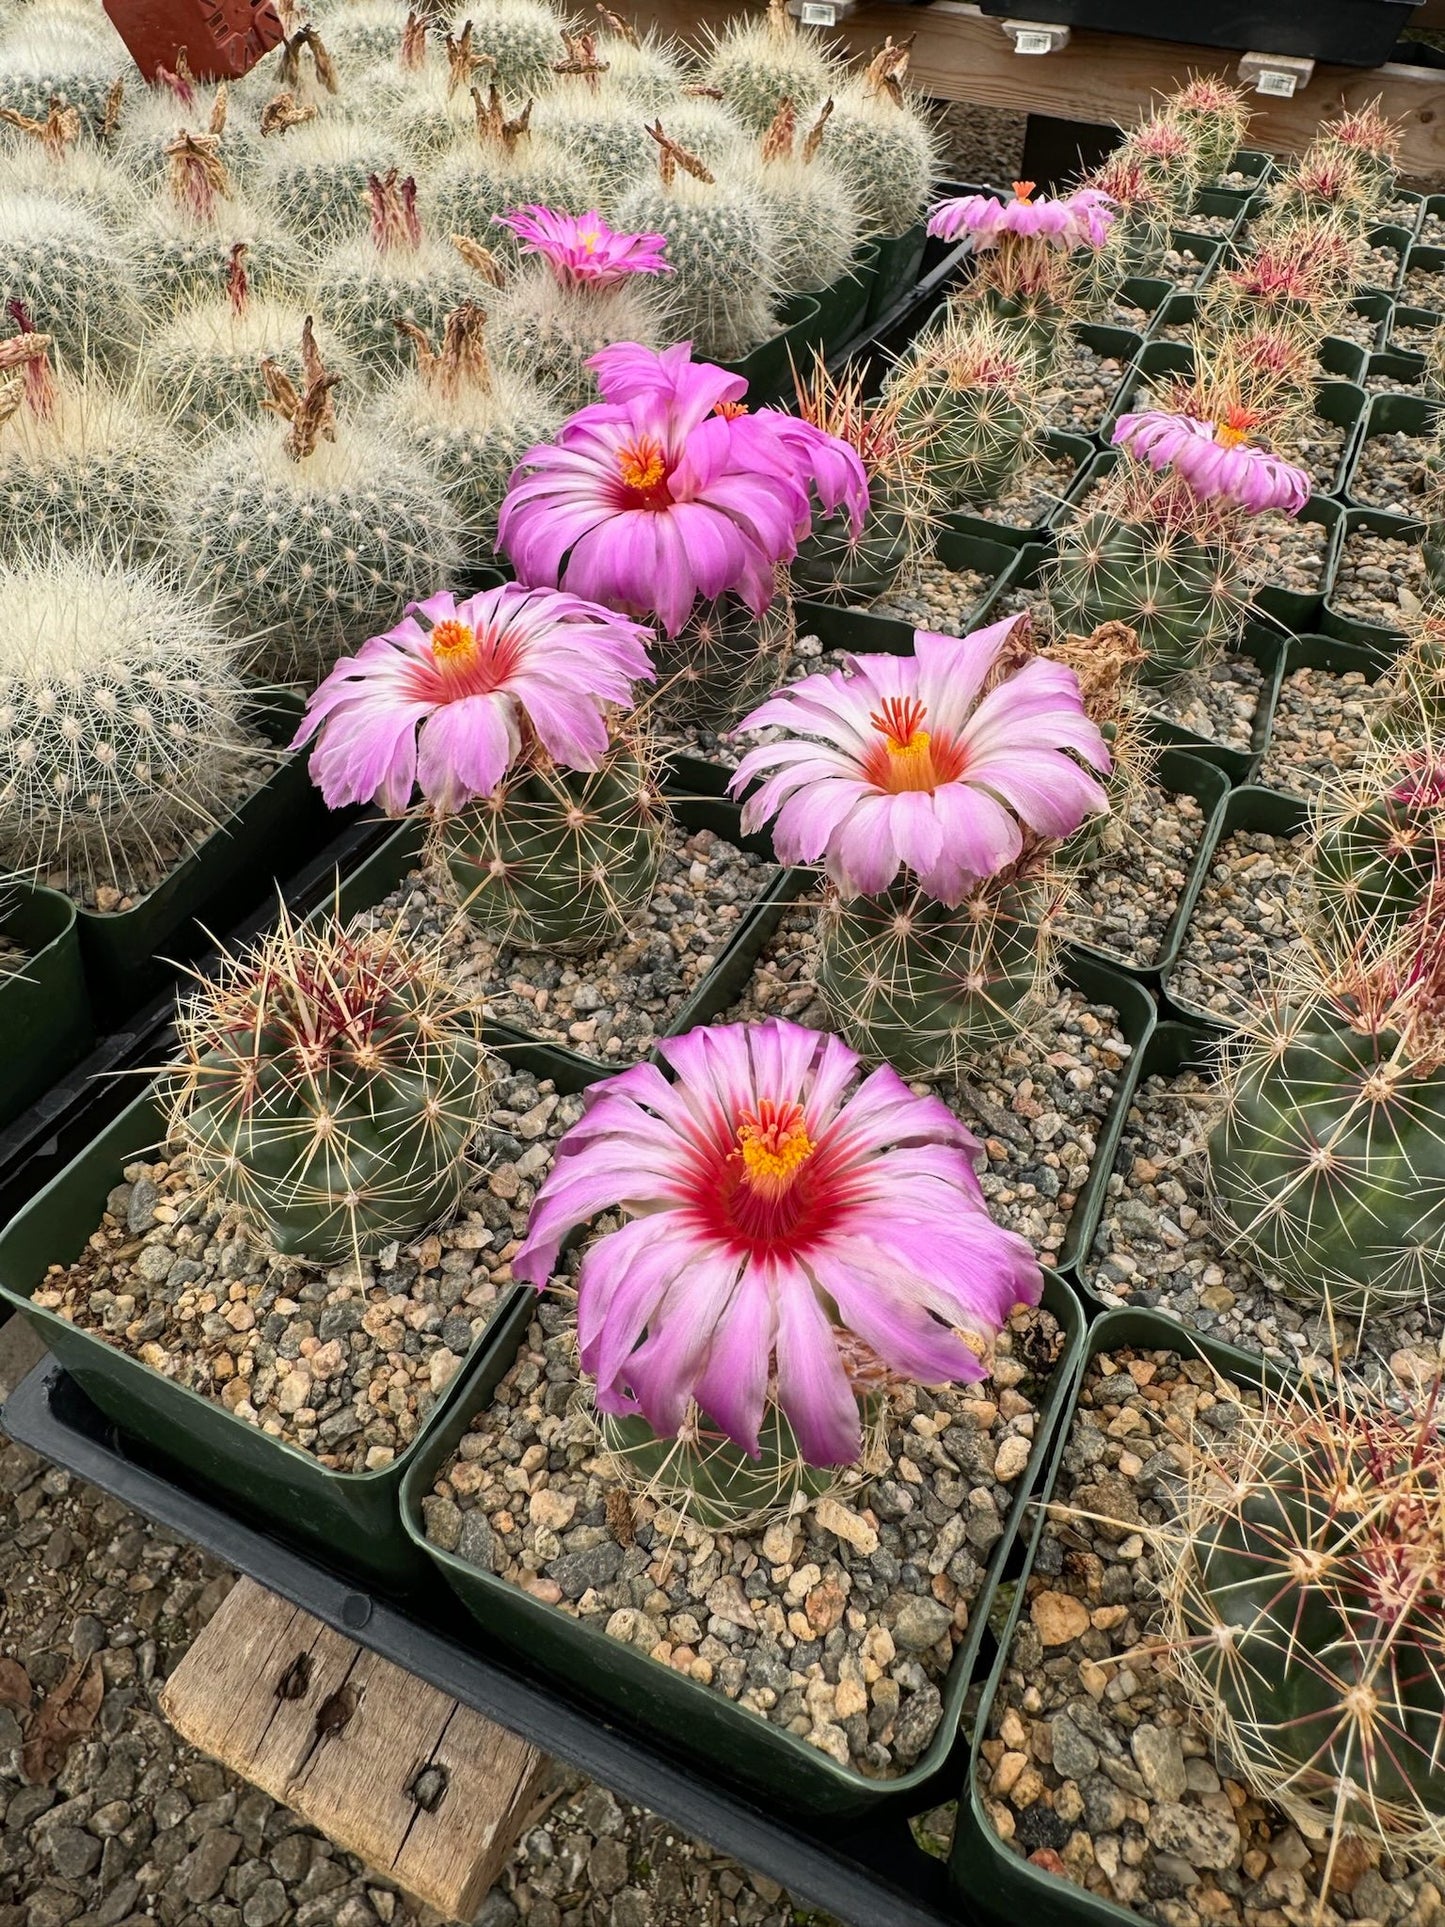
588, 237
1023, 191
775, 1145
1235, 427
642, 467
453, 645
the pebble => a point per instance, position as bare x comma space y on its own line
1320, 726
1080, 387
838, 1623
1124, 900
344, 1361
1424, 287
1218, 703
1033, 495
1376, 574
1247, 920
934, 597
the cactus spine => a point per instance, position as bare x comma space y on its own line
882, 145
71, 275
45, 62
315, 177
329, 1086
506, 167
606, 137
722, 661
1378, 844
969, 392
813, 214
553, 328
758, 64
1216, 119
522, 41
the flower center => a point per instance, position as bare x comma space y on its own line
908, 757
774, 1145
730, 410
589, 238
643, 469
1023, 191
1234, 428
454, 646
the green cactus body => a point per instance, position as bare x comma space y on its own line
977, 437
886, 153
606, 137
84, 176
204, 368
314, 178
920, 986
308, 558
1035, 322
709, 130
1328, 1166
552, 331
559, 859
757, 64
330, 1089
120, 716
150, 121
831, 565
72, 276
706, 1478
1376, 864
721, 663
523, 39
180, 261
420, 111
86, 476
471, 439
722, 246
468, 189
1137, 244
648, 73
364, 293
359, 34
1177, 593
1311, 1612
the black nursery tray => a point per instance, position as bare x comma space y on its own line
869, 1872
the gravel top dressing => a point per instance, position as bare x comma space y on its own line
1382, 271
1032, 494
1078, 389
1424, 288
1037, 1101
1286, 554
1390, 472
1374, 570
1359, 328
1320, 725
1253, 901
611, 1004
1094, 1765
838, 1624
1415, 337
1123, 901
935, 597
1158, 1245
1218, 703
344, 1361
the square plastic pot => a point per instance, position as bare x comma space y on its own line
1432, 260
768, 370
1379, 309
1401, 368
1180, 774
1387, 235
739, 1745
44, 1010
1382, 639
1403, 317
897, 266
1251, 807
1231, 204
981, 1864
840, 627
1325, 652
1207, 249
348, 1519
127, 953
1055, 443
843, 308
1409, 415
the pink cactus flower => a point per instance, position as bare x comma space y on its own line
1215, 459
582, 249
1080, 219
776, 1205
914, 769
664, 492
451, 704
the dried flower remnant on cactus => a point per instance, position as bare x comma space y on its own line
582, 250
905, 761
451, 701
774, 1202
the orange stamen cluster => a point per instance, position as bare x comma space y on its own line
1234, 426
643, 469
907, 756
774, 1145
454, 645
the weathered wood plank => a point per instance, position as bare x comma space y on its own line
419, 1787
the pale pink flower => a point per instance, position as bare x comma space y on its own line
582, 248
914, 769
449, 701
776, 1203
1214, 459
1080, 219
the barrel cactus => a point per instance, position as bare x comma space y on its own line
69, 169
552, 330
1370, 141
722, 660
121, 716
1324, 184
1378, 839
151, 124
757, 64
883, 146
312, 540
1164, 149
969, 391
507, 166
604, 134
183, 260
329, 1085
709, 129
360, 34
1138, 238
45, 61
1301, 277
314, 177
814, 217
520, 39
1216, 118
72, 275
643, 69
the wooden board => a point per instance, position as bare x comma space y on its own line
959, 54
421, 1788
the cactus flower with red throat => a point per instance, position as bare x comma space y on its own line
902, 760
777, 1204
450, 701
1215, 459
582, 250
1081, 219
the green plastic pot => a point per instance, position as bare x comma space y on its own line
1251, 807
44, 1010
982, 1868
1432, 260
1055, 443
1253, 162
1402, 368
1381, 638
349, 1519
895, 274
1340, 359
1403, 316
1180, 774
1324, 652
627, 1685
1206, 249
1380, 309
693, 808
1416, 204
1391, 415
1231, 203
768, 370
1387, 235
278, 826
843, 308
866, 634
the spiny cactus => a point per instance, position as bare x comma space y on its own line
1328, 1165
970, 392
395, 274
882, 145
47, 62
1371, 140
1378, 837
181, 262
559, 859
522, 40
923, 987
72, 276
469, 421
1301, 277
1138, 237
154, 120
312, 541
329, 1085
722, 247
1324, 184
703, 1476
1107, 664
722, 660
1165, 150
314, 178
756, 64
120, 716
646, 70
707, 128
82, 469
902, 493
1216, 118
552, 330
812, 209
1028, 287
362, 33
506, 167
73, 170
604, 135
1410, 697
1305, 1592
